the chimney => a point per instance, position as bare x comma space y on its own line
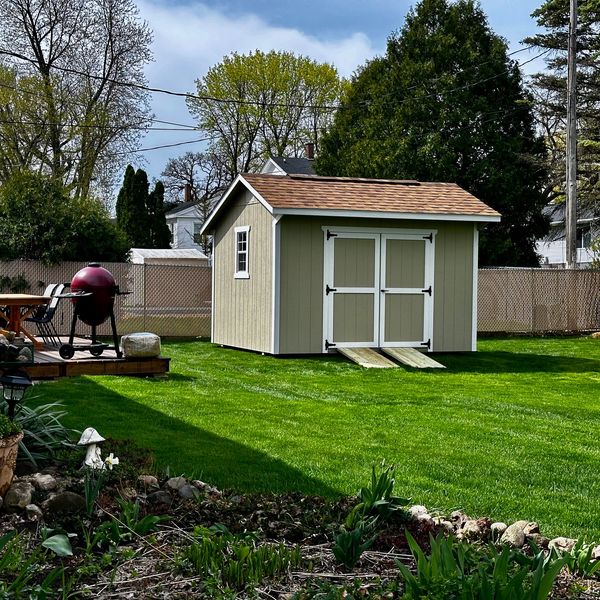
187, 193
309, 151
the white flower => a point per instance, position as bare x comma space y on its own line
111, 461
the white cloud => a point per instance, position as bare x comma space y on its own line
189, 39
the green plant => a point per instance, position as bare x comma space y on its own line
124, 527
458, 570
8, 427
232, 561
350, 544
377, 500
579, 559
43, 432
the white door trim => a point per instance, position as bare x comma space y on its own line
379, 234
328, 276
428, 280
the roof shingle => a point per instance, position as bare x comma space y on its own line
377, 195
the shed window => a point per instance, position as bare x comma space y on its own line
242, 241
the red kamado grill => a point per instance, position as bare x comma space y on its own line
93, 291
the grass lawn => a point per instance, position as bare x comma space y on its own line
510, 432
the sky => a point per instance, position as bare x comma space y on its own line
192, 36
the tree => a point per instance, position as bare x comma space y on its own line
550, 89
41, 221
66, 59
258, 105
159, 230
132, 208
446, 103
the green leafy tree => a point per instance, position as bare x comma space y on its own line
550, 89
282, 101
68, 54
41, 221
446, 103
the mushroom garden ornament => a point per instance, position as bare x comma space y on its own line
91, 438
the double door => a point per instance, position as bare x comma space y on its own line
378, 288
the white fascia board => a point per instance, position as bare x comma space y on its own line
272, 168
373, 214
239, 179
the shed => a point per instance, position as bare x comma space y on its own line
303, 264
168, 256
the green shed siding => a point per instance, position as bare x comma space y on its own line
242, 308
301, 281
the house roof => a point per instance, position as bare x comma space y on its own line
180, 207
370, 198
299, 166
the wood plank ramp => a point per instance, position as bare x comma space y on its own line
367, 357
49, 365
413, 358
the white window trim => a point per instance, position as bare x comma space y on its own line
241, 274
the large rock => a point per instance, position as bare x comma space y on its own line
43, 482
148, 481
65, 503
498, 529
514, 535
140, 345
563, 544
416, 510
189, 492
18, 496
34, 512
175, 483
160, 500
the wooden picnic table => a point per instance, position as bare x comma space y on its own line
18, 307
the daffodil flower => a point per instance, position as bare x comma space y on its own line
111, 461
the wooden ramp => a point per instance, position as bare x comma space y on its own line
413, 358
367, 357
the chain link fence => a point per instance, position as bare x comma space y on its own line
538, 300
175, 301
169, 300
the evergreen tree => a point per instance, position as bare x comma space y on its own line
446, 103
132, 208
550, 88
160, 233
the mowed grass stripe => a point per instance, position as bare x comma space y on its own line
510, 432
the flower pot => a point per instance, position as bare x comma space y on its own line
9, 446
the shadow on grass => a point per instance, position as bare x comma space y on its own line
181, 447
513, 362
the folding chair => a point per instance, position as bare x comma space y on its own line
43, 316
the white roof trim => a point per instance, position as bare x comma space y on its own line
276, 169
217, 208
373, 214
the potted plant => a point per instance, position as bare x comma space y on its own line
10, 436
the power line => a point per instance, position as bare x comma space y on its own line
206, 139
241, 101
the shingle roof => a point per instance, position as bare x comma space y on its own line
179, 207
376, 195
299, 165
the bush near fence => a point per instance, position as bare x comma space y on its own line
174, 300
538, 300
169, 300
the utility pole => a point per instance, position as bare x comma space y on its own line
571, 207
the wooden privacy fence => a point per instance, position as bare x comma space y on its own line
169, 300
538, 300
173, 300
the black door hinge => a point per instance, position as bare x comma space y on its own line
330, 235
328, 345
329, 289
429, 237
427, 344
427, 291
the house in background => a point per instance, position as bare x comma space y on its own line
303, 165
184, 222
303, 264
553, 248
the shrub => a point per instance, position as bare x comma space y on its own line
8, 427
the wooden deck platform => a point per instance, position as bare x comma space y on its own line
49, 365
